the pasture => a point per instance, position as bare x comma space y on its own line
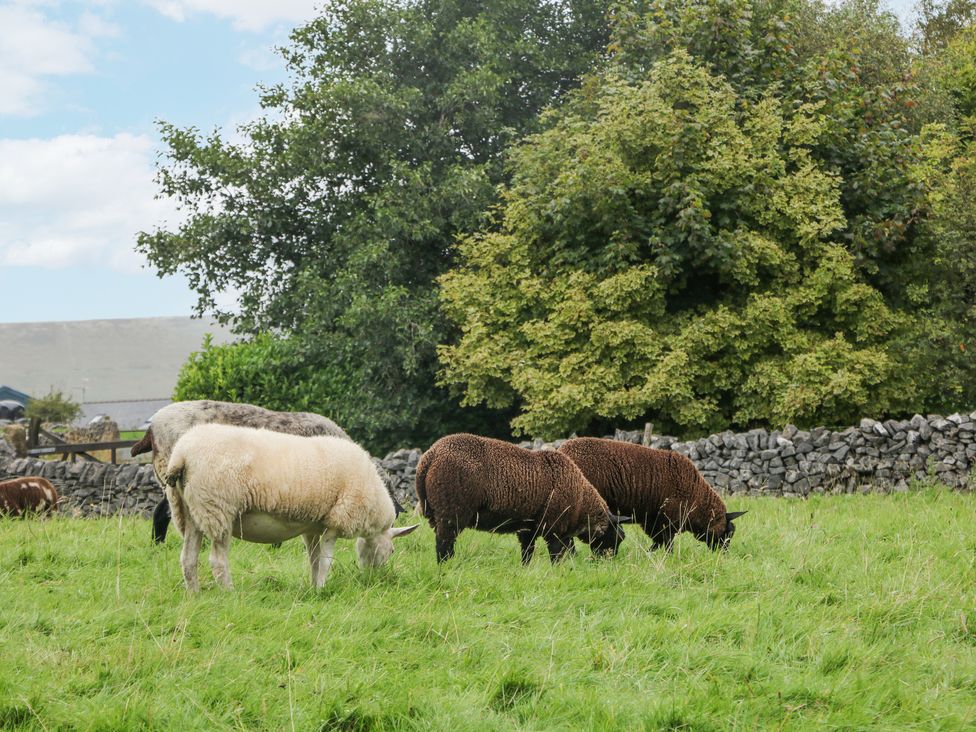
839, 612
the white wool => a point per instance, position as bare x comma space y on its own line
171, 422
270, 486
228, 471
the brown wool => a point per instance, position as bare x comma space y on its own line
661, 489
31, 494
467, 481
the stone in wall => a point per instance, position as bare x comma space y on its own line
16, 436
92, 488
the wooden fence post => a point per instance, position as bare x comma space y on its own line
33, 430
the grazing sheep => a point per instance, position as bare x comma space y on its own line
21, 496
469, 481
168, 424
267, 487
662, 490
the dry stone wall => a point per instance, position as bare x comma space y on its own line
91, 488
874, 456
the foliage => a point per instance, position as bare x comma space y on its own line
954, 72
338, 209
53, 407
266, 371
277, 373
942, 339
849, 612
939, 21
718, 231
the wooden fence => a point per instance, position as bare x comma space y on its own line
66, 449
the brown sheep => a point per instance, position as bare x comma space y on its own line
662, 490
22, 496
470, 481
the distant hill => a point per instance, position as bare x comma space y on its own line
101, 360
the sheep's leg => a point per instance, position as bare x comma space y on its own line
326, 557
190, 555
662, 535
321, 551
527, 540
161, 519
219, 563
313, 543
446, 536
559, 547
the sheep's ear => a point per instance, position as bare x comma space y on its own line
621, 519
734, 515
402, 531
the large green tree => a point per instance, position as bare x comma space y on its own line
944, 344
338, 208
723, 229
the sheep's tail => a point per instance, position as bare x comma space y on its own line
176, 470
423, 508
144, 445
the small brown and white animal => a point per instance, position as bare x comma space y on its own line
661, 489
22, 496
267, 487
470, 481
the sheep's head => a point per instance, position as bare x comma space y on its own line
376, 550
605, 542
720, 533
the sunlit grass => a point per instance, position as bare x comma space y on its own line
838, 612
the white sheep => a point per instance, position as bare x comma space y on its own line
169, 423
266, 487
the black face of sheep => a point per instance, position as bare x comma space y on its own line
608, 542
722, 541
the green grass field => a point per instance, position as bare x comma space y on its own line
833, 613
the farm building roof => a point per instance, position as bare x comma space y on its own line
135, 359
128, 415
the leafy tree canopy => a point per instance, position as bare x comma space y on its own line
953, 70
338, 209
722, 229
939, 21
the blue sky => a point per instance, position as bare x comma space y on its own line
81, 85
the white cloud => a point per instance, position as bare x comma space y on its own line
33, 47
77, 199
250, 15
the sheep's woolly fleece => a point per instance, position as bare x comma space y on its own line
32, 494
170, 423
654, 486
466, 480
226, 471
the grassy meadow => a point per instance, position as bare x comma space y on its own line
833, 613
